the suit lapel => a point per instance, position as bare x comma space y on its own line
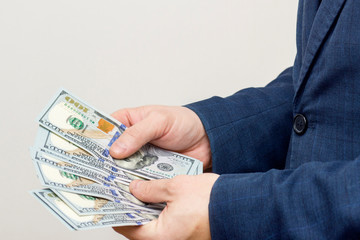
324, 19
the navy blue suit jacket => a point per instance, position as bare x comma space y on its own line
274, 183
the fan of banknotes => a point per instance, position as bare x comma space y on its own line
85, 187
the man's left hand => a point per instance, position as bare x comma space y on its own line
186, 214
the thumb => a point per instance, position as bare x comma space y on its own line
153, 191
133, 138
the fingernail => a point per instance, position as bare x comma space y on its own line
118, 148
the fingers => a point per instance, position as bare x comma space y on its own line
134, 137
153, 191
146, 231
128, 116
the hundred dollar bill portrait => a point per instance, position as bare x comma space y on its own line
137, 161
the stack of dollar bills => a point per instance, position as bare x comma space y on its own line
85, 187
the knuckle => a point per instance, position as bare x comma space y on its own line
174, 185
170, 188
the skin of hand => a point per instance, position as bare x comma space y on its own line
177, 129
173, 128
186, 214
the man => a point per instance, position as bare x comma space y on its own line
288, 154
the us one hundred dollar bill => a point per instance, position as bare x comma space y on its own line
90, 205
76, 222
103, 177
64, 164
52, 177
118, 189
63, 149
95, 132
89, 188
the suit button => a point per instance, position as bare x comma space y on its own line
300, 124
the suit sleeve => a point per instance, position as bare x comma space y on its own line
250, 130
318, 200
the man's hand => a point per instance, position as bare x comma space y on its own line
177, 129
186, 214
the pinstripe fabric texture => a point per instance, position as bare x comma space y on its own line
275, 184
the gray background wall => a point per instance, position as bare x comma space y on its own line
115, 54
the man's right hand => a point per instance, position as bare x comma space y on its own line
176, 129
